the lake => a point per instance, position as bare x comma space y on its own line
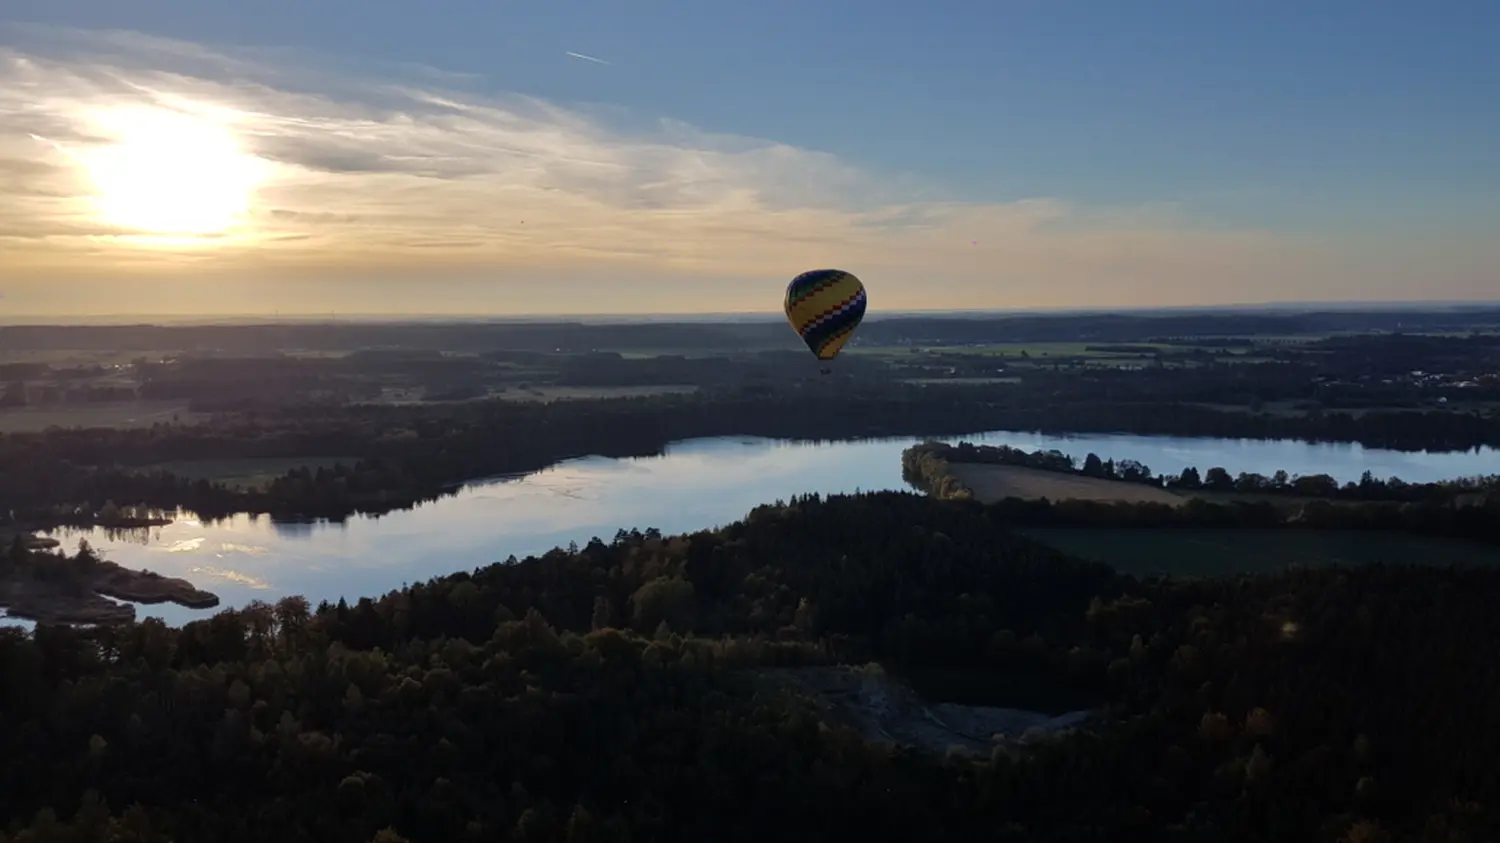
695, 484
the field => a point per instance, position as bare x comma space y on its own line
1046, 354
582, 393
1209, 552
991, 483
1012, 349
81, 357
246, 473
961, 381
122, 414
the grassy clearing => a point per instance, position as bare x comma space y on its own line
127, 414
246, 473
1210, 552
992, 483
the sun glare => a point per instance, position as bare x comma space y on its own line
169, 173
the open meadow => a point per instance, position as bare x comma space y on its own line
123, 414
991, 483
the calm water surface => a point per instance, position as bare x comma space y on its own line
696, 484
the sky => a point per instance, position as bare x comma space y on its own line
597, 156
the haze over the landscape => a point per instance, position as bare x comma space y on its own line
464, 158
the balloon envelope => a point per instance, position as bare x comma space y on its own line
824, 307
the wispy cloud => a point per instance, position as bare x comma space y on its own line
586, 57
401, 177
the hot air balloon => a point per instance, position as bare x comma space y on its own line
824, 307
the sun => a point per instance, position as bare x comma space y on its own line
170, 173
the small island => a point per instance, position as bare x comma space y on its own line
51, 587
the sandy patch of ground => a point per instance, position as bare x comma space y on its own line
991, 483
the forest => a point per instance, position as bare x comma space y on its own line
616, 692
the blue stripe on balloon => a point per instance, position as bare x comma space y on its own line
819, 333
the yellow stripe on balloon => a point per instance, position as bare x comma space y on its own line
829, 351
824, 300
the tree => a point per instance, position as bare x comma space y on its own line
86, 555
664, 599
1316, 485
17, 554
1093, 466
806, 617
582, 828
1218, 480
602, 614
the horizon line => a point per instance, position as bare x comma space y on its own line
147, 319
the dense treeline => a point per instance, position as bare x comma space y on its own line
1215, 479
1444, 511
609, 694
408, 454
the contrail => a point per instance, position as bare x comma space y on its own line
586, 58
55, 145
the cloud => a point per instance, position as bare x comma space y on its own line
585, 57
402, 175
